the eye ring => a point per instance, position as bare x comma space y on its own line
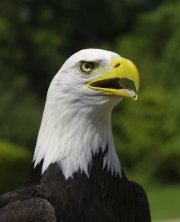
86, 66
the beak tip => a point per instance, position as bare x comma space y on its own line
137, 87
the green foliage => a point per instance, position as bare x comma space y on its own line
147, 134
14, 165
19, 113
164, 199
164, 202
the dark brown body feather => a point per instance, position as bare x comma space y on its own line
99, 198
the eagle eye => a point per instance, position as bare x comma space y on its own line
86, 67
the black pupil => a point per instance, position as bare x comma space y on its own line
87, 66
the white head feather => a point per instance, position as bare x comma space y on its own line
77, 120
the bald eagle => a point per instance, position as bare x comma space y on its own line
76, 175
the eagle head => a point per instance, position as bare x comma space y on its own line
76, 122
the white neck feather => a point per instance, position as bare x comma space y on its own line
71, 136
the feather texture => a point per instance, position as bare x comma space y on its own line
101, 197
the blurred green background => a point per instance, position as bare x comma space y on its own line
37, 36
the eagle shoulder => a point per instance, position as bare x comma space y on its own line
33, 209
141, 203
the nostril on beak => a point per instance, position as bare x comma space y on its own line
117, 65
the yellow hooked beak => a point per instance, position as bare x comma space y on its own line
109, 83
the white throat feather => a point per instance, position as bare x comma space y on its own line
70, 137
